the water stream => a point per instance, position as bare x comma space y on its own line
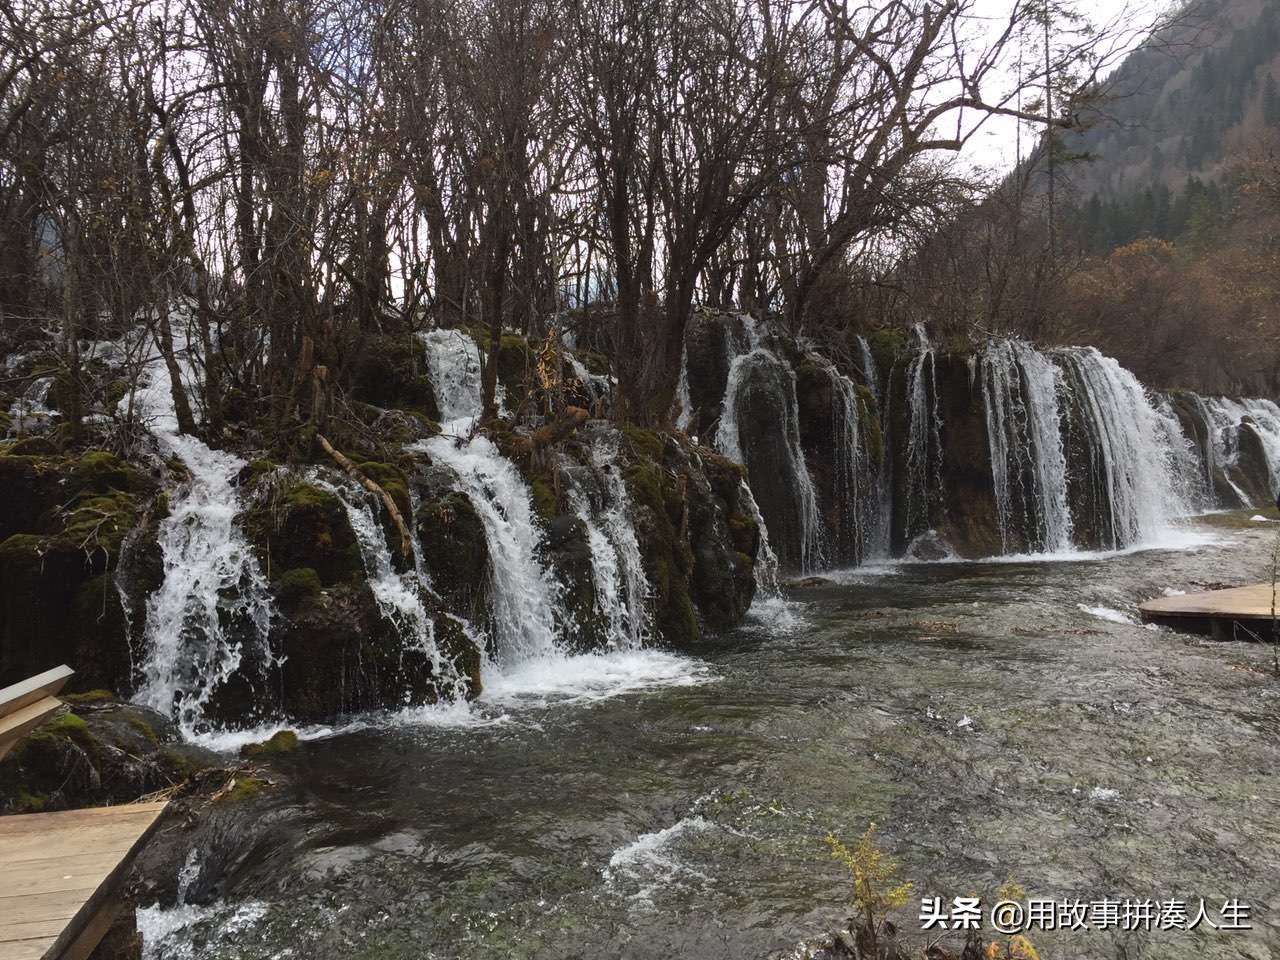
688, 821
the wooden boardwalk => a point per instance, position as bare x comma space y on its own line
59, 874
1215, 611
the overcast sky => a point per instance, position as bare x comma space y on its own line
994, 146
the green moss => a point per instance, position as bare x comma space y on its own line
66, 725
256, 470
26, 545
32, 447
887, 345
596, 363
144, 728
103, 519
647, 444
102, 470
303, 495
26, 802
89, 696
179, 762
116, 391
283, 741
300, 583
243, 788
545, 501
871, 424
743, 530
644, 481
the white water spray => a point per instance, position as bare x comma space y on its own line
1020, 389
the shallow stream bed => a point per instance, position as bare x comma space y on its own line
996, 721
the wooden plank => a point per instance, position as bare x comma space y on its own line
59, 873
50, 875
34, 929
39, 908
26, 949
48, 684
48, 836
22, 721
1239, 603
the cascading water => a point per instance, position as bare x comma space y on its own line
524, 593
621, 587
598, 387
857, 529
683, 398
1029, 468
870, 373
210, 619
399, 595
1225, 417
1131, 484
768, 572
924, 438
32, 408
761, 364
455, 370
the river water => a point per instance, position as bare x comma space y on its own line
996, 721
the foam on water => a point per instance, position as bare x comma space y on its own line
589, 677
649, 863
1107, 613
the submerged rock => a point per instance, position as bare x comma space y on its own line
98, 752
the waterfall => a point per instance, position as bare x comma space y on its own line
597, 387
32, 408
621, 588
880, 545
869, 372
1225, 417
767, 569
1132, 480
857, 527
924, 438
683, 397
1028, 466
455, 371
525, 595
210, 619
1192, 472
761, 363
764, 365
399, 595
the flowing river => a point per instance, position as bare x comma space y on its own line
997, 721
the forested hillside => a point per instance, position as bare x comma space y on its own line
1158, 158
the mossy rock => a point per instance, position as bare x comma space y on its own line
101, 520
455, 551
306, 528
255, 470
32, 447
390, 371
391, 479
545, 502
101, 471
98, 696
106, 753
283, 741
647, 444
243, 787
297, 585
888, 344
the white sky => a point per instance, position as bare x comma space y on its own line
994, 146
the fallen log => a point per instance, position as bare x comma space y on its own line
342, 460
